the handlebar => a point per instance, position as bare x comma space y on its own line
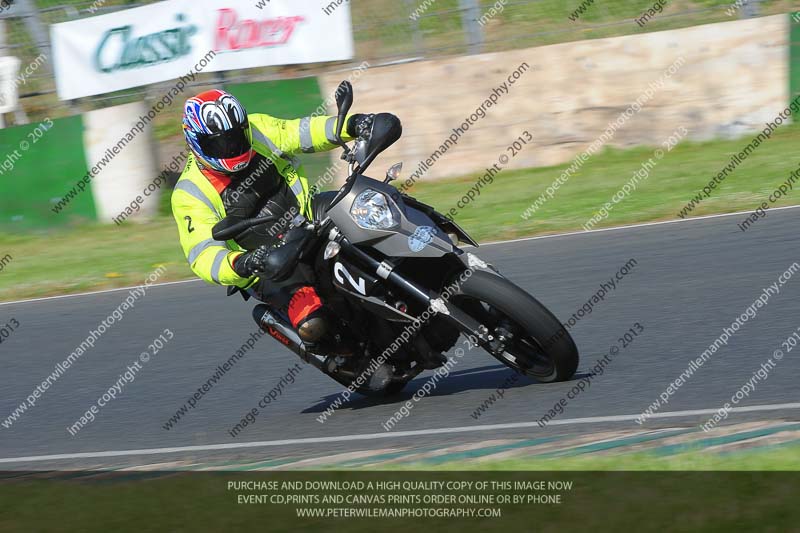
227, 228
387, 131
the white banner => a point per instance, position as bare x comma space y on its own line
170, 39
284, 33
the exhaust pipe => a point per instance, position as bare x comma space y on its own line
283, 332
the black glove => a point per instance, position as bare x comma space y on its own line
360, 125
277, 262
251, 263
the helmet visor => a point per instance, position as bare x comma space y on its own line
226, 144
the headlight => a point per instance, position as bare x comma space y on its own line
373, 210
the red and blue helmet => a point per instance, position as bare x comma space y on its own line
217, 130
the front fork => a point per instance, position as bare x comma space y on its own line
476, 331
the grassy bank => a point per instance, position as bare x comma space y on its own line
682, 173
94, 257
605, 501
758, 459
89, 258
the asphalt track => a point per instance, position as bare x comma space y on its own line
691, 279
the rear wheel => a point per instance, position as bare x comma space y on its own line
525, 335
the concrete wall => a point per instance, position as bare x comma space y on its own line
734, 78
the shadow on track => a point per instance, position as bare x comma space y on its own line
487, 378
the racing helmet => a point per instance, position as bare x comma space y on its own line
217, 131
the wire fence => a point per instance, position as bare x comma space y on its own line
385, 31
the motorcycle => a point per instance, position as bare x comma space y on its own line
390, 269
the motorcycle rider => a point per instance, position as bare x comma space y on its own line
244, 166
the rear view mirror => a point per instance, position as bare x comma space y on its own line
344, 101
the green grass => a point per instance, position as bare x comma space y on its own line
94, 257
758, 459
497, 213
89, 257
595, 501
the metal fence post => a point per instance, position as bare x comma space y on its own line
416, 32
470, 13
751, 9
33, 22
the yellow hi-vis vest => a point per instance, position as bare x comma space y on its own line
197, 206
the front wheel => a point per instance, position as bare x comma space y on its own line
525, 335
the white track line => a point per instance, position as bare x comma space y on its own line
106, 291
389, 435
523, 239
640, 225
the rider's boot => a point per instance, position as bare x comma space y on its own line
314, 325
